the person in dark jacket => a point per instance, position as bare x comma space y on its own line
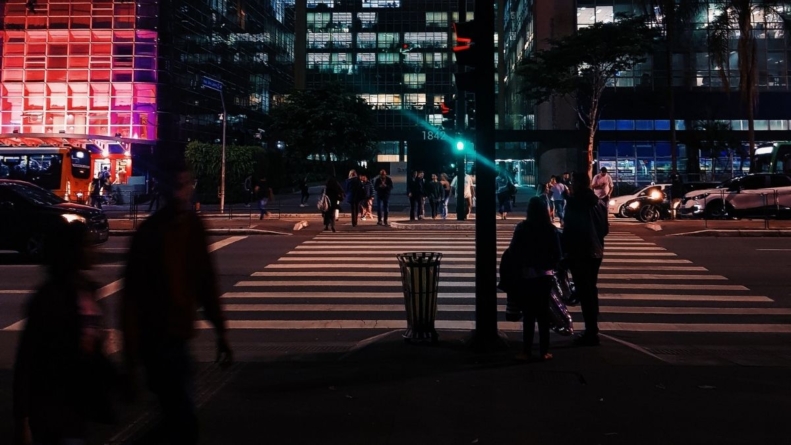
169, 275
354, 195
335, 192
434, 193
536, 246
415, 193
383, 185
585, 226
64, 330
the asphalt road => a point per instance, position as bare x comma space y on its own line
280, 300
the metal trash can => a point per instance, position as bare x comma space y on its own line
420, 278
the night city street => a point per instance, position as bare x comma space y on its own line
696, 335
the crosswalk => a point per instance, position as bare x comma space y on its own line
352, 281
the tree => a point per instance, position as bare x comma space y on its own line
580, 66
673, 17
329, 124
735, 20
240, 161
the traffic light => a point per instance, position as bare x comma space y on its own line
460, 145
470, 114
467, 55
448, 115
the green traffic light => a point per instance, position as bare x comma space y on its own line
460, 145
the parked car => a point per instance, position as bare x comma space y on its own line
28, 213
758, 194
617, 205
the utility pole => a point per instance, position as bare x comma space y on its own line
486, 336
216, 85
461, 111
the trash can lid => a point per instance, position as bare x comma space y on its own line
419, 257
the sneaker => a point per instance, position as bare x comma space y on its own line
380, 223
302, 205
546, 357
586, 340
363, 218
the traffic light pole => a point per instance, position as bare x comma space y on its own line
486, 336
461, 111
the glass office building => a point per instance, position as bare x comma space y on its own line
397, 55
131, 71
633, 133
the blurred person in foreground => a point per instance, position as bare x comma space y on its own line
584, 227
60, 363
170, 275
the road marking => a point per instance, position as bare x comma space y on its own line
118, 285
643, 260
684, 297
652, 276
364, 274
608, 252
775, 250
450, 251
16, 291
350, 283
225, 242
233, 307
324, 248
657, 268
758, 328
672, 286
365, 265
501, 295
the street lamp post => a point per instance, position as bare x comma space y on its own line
207, 82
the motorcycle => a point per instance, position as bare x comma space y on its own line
654, 205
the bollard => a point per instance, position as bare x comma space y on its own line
420, 279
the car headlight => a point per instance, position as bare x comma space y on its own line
634, 205
71, 217
612, 202
701, 196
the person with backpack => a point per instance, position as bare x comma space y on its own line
536, 252
95, 192
335, 194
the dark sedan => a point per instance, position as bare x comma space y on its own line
28, 213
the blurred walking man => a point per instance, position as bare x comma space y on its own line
168, 277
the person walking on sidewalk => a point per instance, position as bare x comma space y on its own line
303, 189
434, 193
583, 235
366, 206
263, 193
503, 186
383, 185
334, 191
559, 191
170, 274
536, 246
416, 195
445, 194
602, 185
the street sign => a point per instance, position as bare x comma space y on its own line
207, 82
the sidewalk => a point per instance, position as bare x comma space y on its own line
389, 392
286, 212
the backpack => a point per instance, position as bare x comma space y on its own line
324, 202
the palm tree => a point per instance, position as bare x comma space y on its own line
735, 19
673, 17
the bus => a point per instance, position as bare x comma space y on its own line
775, 158
66, 171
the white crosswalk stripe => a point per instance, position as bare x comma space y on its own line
352, 281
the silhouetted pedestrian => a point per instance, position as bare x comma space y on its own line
536, 247
61, 370
585, 226
153, 193
168, 276
303, 189
383, 186
335, 192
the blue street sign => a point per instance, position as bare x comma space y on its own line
207, 82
